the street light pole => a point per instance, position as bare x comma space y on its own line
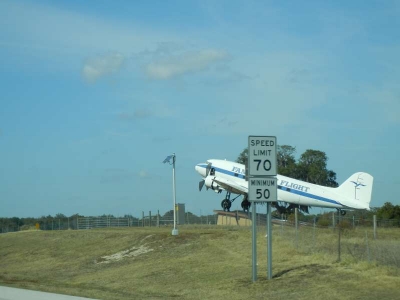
174, 231
168, 159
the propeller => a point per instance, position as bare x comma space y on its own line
208, 169
201, 183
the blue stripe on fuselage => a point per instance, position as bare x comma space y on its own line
230, 173
308, 195
289, 190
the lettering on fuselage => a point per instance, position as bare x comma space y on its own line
238, 170
294, 186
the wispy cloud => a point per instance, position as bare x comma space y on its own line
387, 100
120, 175
156, 112
116, 175
161, 139
52, 32
283, 89
143, 174
62, 37
188, 62
116, 133
384, 94
138, 114
99, 66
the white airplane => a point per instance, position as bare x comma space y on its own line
354, 193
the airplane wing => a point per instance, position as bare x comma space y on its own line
231, 186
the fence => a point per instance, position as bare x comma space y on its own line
362, 243
88, 222
156, 220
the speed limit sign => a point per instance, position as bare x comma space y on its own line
262, 166
262, 156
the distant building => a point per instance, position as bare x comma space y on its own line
240, 218
237, 218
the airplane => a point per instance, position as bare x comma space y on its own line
222, 175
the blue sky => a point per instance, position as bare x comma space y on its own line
95, 94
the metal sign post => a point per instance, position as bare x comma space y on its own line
254, 241
262, 164
269, 241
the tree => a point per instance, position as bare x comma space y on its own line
169, 214
60, 216
312, 168
286, 160
389, 211
243, 157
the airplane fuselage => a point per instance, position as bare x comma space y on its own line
232, 177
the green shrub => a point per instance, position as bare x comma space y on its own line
324, 222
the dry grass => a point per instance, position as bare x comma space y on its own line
200, 263
357, 245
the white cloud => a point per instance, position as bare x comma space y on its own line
184, 63
96, 67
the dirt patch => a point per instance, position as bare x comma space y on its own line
132, 252
129, 253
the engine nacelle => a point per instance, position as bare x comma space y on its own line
209, 182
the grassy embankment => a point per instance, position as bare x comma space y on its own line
202, 263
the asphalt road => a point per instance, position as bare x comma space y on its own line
7, 293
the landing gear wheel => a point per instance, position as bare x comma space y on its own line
343, 212
246, 205
226, 204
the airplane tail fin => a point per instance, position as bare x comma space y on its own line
358, 187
